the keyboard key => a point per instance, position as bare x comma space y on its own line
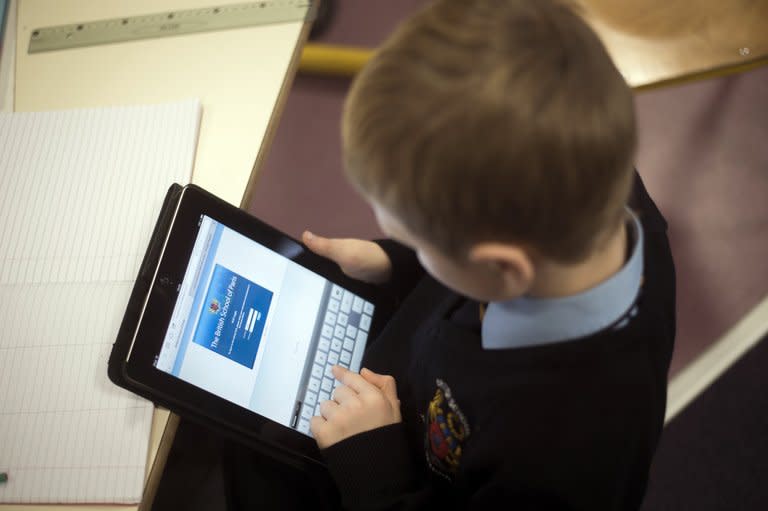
343, 319
317, 410
314, 384
343, 364
327, 386
303, 426
327, 331
346, 356
333, 305
324, 345
361, 336
337, 292
339, 332
328, 373
320, 358
336, 345
306, 412
310, 398
365, 322
317, 371
330, 318
368, 308
333, 357
325, 396
346, 302
349, 343
357, 304
351, 331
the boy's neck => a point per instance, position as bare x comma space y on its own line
555, 280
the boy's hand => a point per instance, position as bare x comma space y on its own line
360, 259
363, 402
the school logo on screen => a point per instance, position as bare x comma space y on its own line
237, 311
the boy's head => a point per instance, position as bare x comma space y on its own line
492, 122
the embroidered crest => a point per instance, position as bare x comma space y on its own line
447, 428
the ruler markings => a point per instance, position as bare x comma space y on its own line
169, 23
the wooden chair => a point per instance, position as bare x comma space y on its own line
653, 42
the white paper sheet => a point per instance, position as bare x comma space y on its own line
80, 191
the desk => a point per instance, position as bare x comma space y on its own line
241, 77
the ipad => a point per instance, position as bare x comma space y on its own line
240, 324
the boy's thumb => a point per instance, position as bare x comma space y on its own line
384, 382
318, 244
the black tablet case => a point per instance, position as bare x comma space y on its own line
125, 337
140, 290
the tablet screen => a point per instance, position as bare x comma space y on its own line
255, 328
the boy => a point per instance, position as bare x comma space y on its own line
528, 359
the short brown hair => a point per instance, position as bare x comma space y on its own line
494, 120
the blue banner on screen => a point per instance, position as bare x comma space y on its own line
233, 316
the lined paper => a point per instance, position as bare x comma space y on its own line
75, 186
80, 191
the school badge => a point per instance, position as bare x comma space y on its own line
447, 428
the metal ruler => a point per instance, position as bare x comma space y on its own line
162, 24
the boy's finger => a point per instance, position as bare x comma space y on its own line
317, 425
342, 393
351, 379
328, 408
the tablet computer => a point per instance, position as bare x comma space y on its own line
234, 324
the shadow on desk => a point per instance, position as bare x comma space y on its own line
208, 472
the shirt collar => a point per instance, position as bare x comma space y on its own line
529, 321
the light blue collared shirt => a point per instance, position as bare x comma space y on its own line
526, 321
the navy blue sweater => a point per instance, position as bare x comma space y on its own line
569, 425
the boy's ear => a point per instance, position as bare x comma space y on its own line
511, 262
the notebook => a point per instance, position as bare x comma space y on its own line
79, 194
